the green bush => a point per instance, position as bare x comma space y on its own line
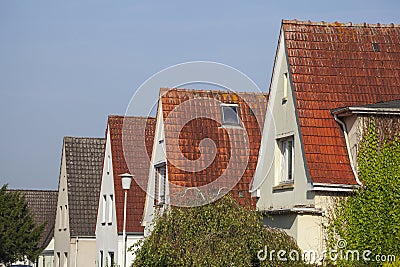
218, 234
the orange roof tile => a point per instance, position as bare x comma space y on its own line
335, 65
192, 116
137, 157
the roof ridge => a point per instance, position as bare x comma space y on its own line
33, 190
210, 90
124, 116
340, 24
82, 137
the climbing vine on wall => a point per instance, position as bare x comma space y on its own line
369, 220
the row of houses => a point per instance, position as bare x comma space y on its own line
288, 153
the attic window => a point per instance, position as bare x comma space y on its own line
285, 88
230, 114
376, 47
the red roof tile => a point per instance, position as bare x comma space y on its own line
138, 158
334, 65
186, 126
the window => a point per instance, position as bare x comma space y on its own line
108, 164
110, 209
285, 87
241, 193
65, 259
286, 166
160, 185
58, 262
111, 256
65, 217
104, 207
230, 114
101, 260
61, 219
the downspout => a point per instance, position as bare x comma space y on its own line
76, 251
346, 137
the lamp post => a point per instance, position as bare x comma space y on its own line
126, 180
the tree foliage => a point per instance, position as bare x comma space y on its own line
19, 235
218, 234
370, 219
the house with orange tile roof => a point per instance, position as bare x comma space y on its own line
206, 145
327, 78
128, 147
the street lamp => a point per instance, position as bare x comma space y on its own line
126, 180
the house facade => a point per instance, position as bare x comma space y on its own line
206, 144
78, 190
128, 149
42, 205
320, 70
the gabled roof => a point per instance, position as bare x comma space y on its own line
185, 127
130, 149
43, 206
335, 65
84, 162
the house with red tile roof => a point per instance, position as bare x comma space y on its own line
206, 145
128, 149
326, 77
78, 190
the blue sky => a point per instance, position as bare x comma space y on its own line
66, 65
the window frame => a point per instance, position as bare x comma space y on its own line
286, 160
110, 209
160, 184
65, 217
226, 105
61, 219
285, 87
104, 209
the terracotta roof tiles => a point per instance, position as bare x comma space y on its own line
335, 65
129, 149
186, 126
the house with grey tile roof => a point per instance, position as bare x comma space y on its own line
42, 205
78, 191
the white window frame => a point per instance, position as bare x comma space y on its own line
160, 184
223, 114
108, 164
286, 161
61, 219
285, 87
65, 217
110, 209
65, 259
104, 209
58, 260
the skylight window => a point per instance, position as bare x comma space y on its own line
230, 114
376, 47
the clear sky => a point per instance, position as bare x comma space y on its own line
66, 65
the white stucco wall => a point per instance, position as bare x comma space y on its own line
158, 156
106, 234
61, 233
131, 240
285, 122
